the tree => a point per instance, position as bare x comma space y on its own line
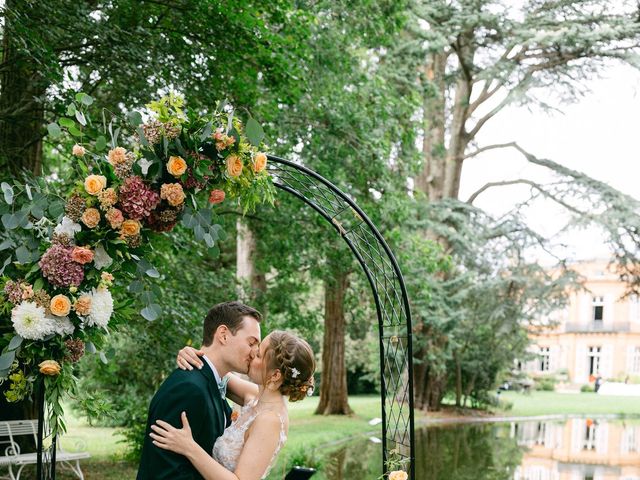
123, 53
479, 56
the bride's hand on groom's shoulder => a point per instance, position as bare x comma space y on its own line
189, 357
178, 440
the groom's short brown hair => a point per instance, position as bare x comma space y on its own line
229, 314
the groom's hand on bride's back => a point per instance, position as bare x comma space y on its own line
189, 357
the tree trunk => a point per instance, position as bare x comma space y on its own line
458, 379
431, 178
333, 387
252, 284
22, 90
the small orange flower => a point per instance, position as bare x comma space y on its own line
176, 166
234, 165
94, 184
259, 162
216, 196
60, 305
83, 305
50, 367
91, 217
117, 156
130, 228
234, 415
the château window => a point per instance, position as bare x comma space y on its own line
593, 359
635, 360
598, 310
544, 359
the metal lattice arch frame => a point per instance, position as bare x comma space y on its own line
389, 293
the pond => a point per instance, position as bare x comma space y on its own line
573, 449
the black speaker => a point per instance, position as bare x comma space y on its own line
300, 473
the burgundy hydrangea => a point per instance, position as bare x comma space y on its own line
137, 200
58, 267
75, 349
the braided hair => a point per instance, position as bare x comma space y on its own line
295, 360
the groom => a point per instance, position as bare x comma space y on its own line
230, 340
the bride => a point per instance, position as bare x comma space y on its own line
281, 372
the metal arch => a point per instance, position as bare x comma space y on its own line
390, 296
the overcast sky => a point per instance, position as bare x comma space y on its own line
598, 136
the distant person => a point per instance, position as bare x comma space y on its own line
598, 383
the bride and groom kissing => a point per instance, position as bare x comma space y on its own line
191, 431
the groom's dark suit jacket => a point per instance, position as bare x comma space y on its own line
196, 393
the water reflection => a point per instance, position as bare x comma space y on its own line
576, 449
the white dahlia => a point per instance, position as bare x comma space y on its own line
30, 322
101, 258
62, 326
101, 308
68, 227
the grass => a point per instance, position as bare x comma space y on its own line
313, 436
549, 403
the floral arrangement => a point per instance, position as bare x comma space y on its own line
175, 167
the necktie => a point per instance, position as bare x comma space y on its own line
222, 386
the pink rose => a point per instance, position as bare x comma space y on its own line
82, 255
216, 196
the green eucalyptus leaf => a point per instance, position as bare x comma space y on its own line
7, 190
71, 109
7, 359
151, 312
135, 118
90, 347
101, 143
10, 221
15, 342
80, 117
254, 131
23, 254
75, 131
152, 272
66, 122
206, 133
54, 130
6, 263
103, 358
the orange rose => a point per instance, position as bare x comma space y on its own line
216, 196
176, 166
50, 367
234, 166
60, 305
172, 193
83, 305
82, 255
117, 156
94, 184
91, 217
259, 162
130, 228
234, 415
398, 475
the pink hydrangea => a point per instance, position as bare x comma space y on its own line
137, 200
58, 267
13, 291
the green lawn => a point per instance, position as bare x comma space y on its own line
550, 403
312, 436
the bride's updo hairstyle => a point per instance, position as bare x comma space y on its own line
294, 358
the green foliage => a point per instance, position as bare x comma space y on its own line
545, 384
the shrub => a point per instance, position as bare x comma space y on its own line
586, 388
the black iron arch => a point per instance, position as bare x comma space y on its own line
389, 293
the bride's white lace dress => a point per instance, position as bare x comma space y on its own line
228, 447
